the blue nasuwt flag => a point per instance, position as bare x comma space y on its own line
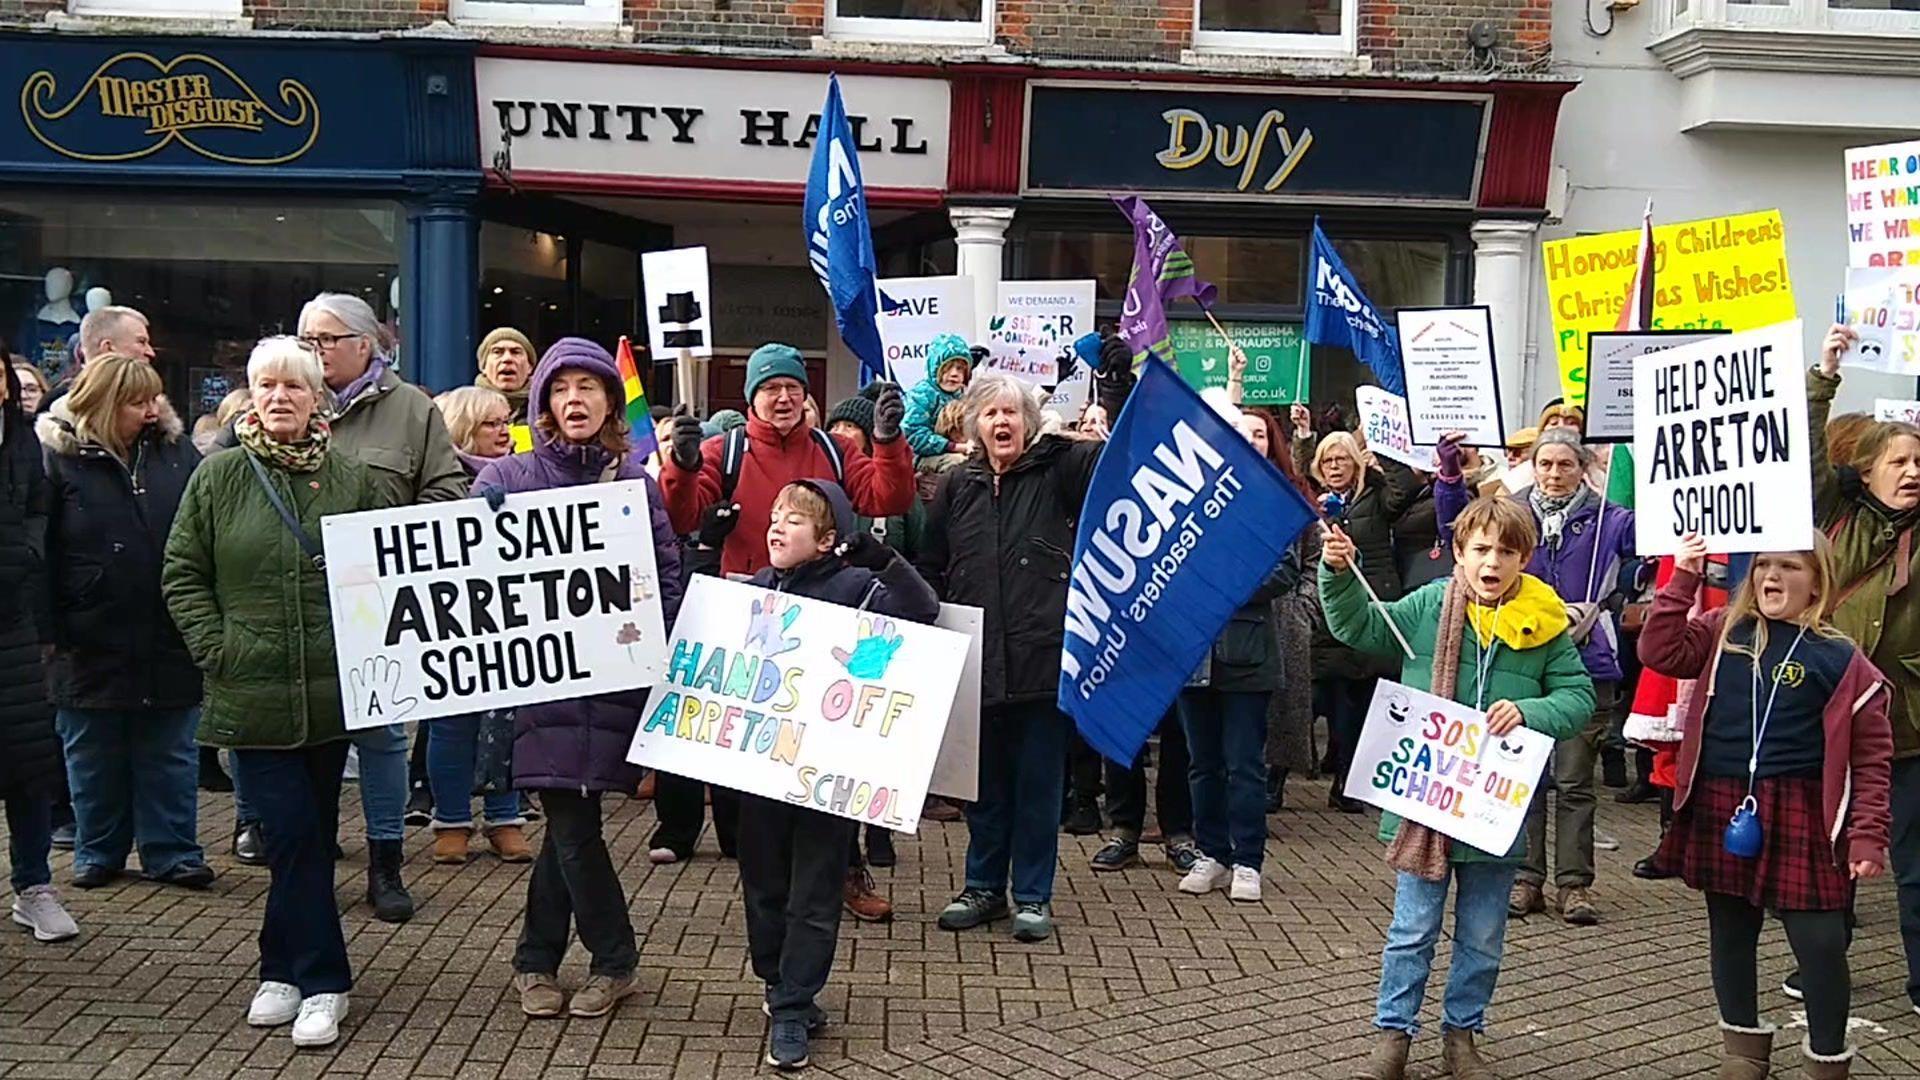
839, 240
1338, 313
1183, 521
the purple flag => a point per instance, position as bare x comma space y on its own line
1162, 271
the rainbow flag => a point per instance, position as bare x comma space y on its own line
638, 417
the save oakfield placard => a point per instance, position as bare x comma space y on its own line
1883, 307
1725, 273
1432, 761
913, 311
454, 607
1883, 205
802, 701
1720, 445
1034, 323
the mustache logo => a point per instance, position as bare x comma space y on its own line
135, 105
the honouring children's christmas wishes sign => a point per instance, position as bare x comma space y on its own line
1720, 445
454, 607
1431, 760
803, 701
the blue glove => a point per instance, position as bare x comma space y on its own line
496, 496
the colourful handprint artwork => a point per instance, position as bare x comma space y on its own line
773, 616
873, 652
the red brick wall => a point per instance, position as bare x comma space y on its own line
343, 14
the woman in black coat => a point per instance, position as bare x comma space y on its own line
127, 690
999, 536
29, 751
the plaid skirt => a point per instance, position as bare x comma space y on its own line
1795, 870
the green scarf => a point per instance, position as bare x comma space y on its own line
516, 399
304, 456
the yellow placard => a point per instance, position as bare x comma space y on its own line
1724, 273
522, 438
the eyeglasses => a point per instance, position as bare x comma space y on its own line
791, 390
325, 342
495, 425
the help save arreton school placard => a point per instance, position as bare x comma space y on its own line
454, 607
1720, 444
802, 701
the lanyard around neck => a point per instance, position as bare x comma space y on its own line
1761, 720
1483, 659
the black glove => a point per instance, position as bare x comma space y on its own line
864, 551
686, 443
887, 414
979, 354
716, 524
1114, 381
496, 497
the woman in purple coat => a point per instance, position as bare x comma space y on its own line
1585, 543
573, 751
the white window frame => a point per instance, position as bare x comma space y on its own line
155, 9
912, 31
1815, 16
512, 13
1345, 43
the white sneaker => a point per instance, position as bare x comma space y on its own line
663, 856
319, 1021
275, 1003
38, 909
1246, 885
1205, 877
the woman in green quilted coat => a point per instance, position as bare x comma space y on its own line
251, 602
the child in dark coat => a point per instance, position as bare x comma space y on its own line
793, 860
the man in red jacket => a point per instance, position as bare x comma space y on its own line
781, 447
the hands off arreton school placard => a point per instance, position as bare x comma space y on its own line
803, 701
1720, 445
1432, 761
454, 607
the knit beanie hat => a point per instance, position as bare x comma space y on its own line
857, 411
774, 361
727, 419
581, 355
504, 333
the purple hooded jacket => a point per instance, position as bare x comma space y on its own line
581, 742
1571, 569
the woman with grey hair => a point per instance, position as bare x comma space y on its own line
393, 428
999, 536
251, 603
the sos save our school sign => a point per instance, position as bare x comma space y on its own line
1431, 761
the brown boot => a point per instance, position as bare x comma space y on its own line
1389, 1060
863, 903
1746, 1053
1462, 1060
450, 846
1576, 906
1826, 1068
509, 843
1525, 899
601, 994
540, 994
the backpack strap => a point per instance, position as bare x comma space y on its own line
831, 447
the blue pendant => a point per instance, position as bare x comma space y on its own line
1743, 835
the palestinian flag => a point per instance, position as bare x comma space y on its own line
638, 416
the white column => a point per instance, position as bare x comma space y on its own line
980, 237
1502, 252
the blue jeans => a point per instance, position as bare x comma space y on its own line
29, 839
134, 775
1014, 826
383, 779
1227, 741
1906, 864
450, 754
1479, 937
296, 793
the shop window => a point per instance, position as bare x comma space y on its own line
157, 9
212, 278
1246, 269
523, 282
1317, 27
536, 12
952, 22
610, 296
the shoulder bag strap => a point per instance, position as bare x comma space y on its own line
831, 448
732, 457
307, 544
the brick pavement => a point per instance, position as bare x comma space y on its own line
1139, 981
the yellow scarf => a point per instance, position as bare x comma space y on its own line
1532, 616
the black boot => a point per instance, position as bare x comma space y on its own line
385, 891
212, 776
1613, 766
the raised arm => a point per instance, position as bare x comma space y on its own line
1822, 383
1672, 642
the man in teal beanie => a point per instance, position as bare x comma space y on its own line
949, 368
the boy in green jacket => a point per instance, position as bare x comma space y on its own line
1494, 638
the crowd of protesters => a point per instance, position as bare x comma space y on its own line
175, 607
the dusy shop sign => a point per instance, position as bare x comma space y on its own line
695, 123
